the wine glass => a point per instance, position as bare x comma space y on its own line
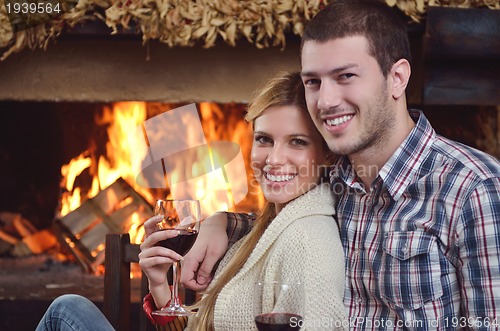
278, 305
183, 216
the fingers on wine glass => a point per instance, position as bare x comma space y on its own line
151, 222
154, 238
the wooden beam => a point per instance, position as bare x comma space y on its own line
461, 57
458, 33
462, 83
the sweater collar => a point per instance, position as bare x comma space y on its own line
318, 201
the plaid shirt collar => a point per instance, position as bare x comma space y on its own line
404, 165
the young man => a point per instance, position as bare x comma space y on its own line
419, 214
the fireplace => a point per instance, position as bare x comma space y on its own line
74, 151
35, 172
56, 105
59, 92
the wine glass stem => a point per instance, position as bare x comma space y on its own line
175, 286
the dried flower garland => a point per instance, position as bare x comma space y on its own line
185, 23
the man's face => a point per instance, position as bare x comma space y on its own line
346, 95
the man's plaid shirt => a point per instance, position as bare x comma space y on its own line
422, 243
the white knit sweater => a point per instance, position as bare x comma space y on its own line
301, 244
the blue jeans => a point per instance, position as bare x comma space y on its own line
72, 312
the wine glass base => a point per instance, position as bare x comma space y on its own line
173, 312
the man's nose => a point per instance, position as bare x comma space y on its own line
329, 96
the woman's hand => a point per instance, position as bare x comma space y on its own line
156, 260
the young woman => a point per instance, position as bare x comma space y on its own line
294, 239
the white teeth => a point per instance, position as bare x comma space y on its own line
279, 178
339, 120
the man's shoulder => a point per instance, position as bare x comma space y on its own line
466, 158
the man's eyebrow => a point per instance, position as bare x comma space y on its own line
332, 71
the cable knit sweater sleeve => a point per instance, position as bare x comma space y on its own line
310, 251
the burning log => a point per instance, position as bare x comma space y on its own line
36, 243
116, 209
6, 242
19, 237
8, 238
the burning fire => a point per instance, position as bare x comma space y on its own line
123, 118
105, 170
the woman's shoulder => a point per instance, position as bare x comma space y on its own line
312, 215
304, 244
317, 201
313, 228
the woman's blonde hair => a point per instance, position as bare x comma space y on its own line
286, 89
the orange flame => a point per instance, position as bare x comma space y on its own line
235, 130
121, 119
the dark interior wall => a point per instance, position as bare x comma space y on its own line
37, 139
476, 126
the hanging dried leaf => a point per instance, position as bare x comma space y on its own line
231, 33
182, 22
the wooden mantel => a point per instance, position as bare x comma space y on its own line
116, 69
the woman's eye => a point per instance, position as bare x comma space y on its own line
263, 139
299, 142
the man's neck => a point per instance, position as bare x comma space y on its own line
368, 163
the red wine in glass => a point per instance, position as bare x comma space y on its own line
278, 322
182, 243
183, 216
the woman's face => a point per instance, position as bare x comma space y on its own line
287, 153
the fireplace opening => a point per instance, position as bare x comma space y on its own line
43, 142
57, 155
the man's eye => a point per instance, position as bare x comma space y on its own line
311, 82
346, 76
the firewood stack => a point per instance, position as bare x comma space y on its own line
116, 209
79, 235
18, 236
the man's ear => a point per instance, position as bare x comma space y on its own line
400, 74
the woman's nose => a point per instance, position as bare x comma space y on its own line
276, 156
